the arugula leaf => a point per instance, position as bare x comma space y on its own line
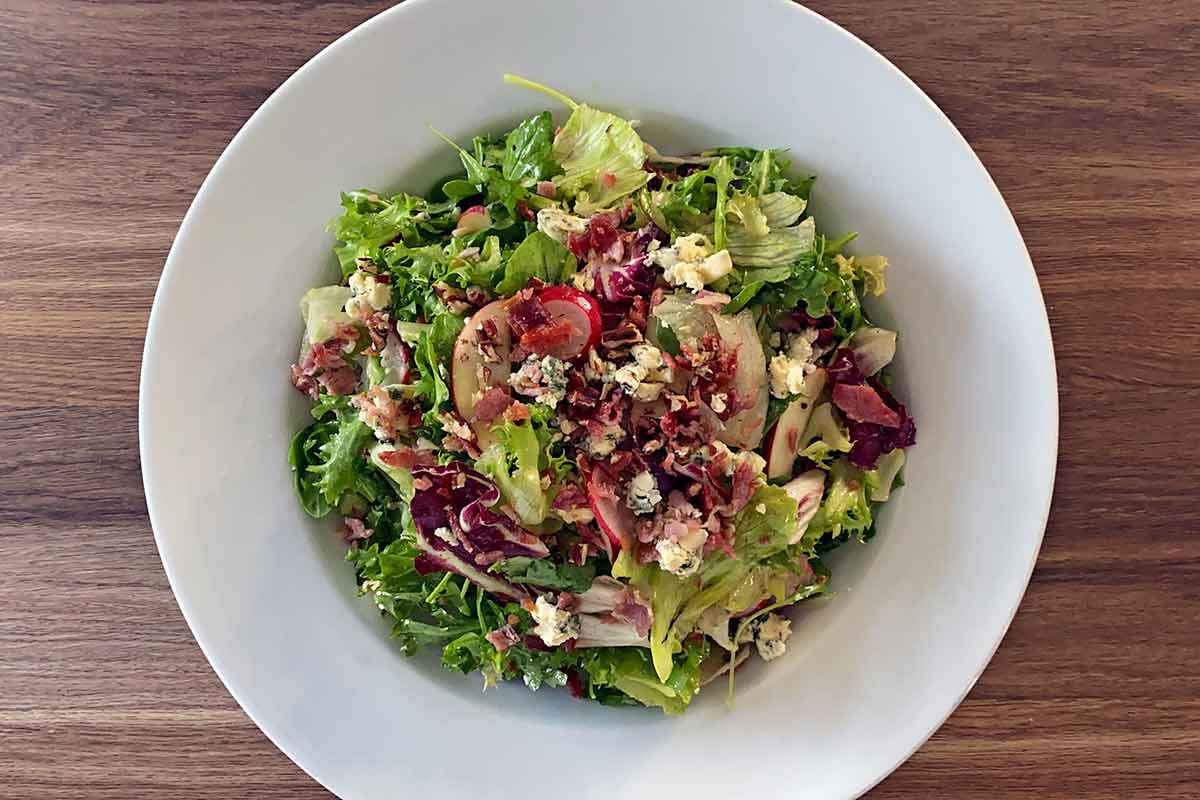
663, 337
528, 151
539, 257
546, 574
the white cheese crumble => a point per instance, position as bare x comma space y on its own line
691, 262
603, 443
643, 495
367, 295
544, 379
558, 224
789, 370
553, 625
682, 556
771, 635
646, 376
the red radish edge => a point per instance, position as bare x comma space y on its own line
581, 310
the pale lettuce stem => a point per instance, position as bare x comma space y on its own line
517, 80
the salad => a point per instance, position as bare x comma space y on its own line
590, 415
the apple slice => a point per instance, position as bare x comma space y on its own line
785, 440
807, 490
613, 517
745, 428
579, 309
471, 376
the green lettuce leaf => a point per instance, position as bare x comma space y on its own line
304, 453
432, 356
780, 247
823, 437
322, 311
844, 511
601, 157
780, 209
339, 459
746, 210
369, 221
539, 257
677, 603
513, 463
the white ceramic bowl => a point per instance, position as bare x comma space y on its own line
867, 677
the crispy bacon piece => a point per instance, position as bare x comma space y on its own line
492, 403
503, 638
354, 530
861, 403
407, 458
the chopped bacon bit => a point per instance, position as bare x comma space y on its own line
632, 609
454, 298
492, 403
478, 297
608, 180
503, 638
571, 504
386, 416
536, 329
406, 458
354, 530
456, 444
525, 212
546, 189
516, 412
863, 404
422, 484
621, 338
341, 381
379, 325
304, 384
603, 232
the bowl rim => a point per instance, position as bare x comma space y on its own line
1047, 465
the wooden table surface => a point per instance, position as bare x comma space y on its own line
1088, 116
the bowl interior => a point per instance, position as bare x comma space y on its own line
918, 612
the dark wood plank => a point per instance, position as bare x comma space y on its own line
113, 112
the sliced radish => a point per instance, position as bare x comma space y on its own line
473, 220
471, 376
579, 309
785, 440
807, 490
613, 517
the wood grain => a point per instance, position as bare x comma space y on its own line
111, 113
